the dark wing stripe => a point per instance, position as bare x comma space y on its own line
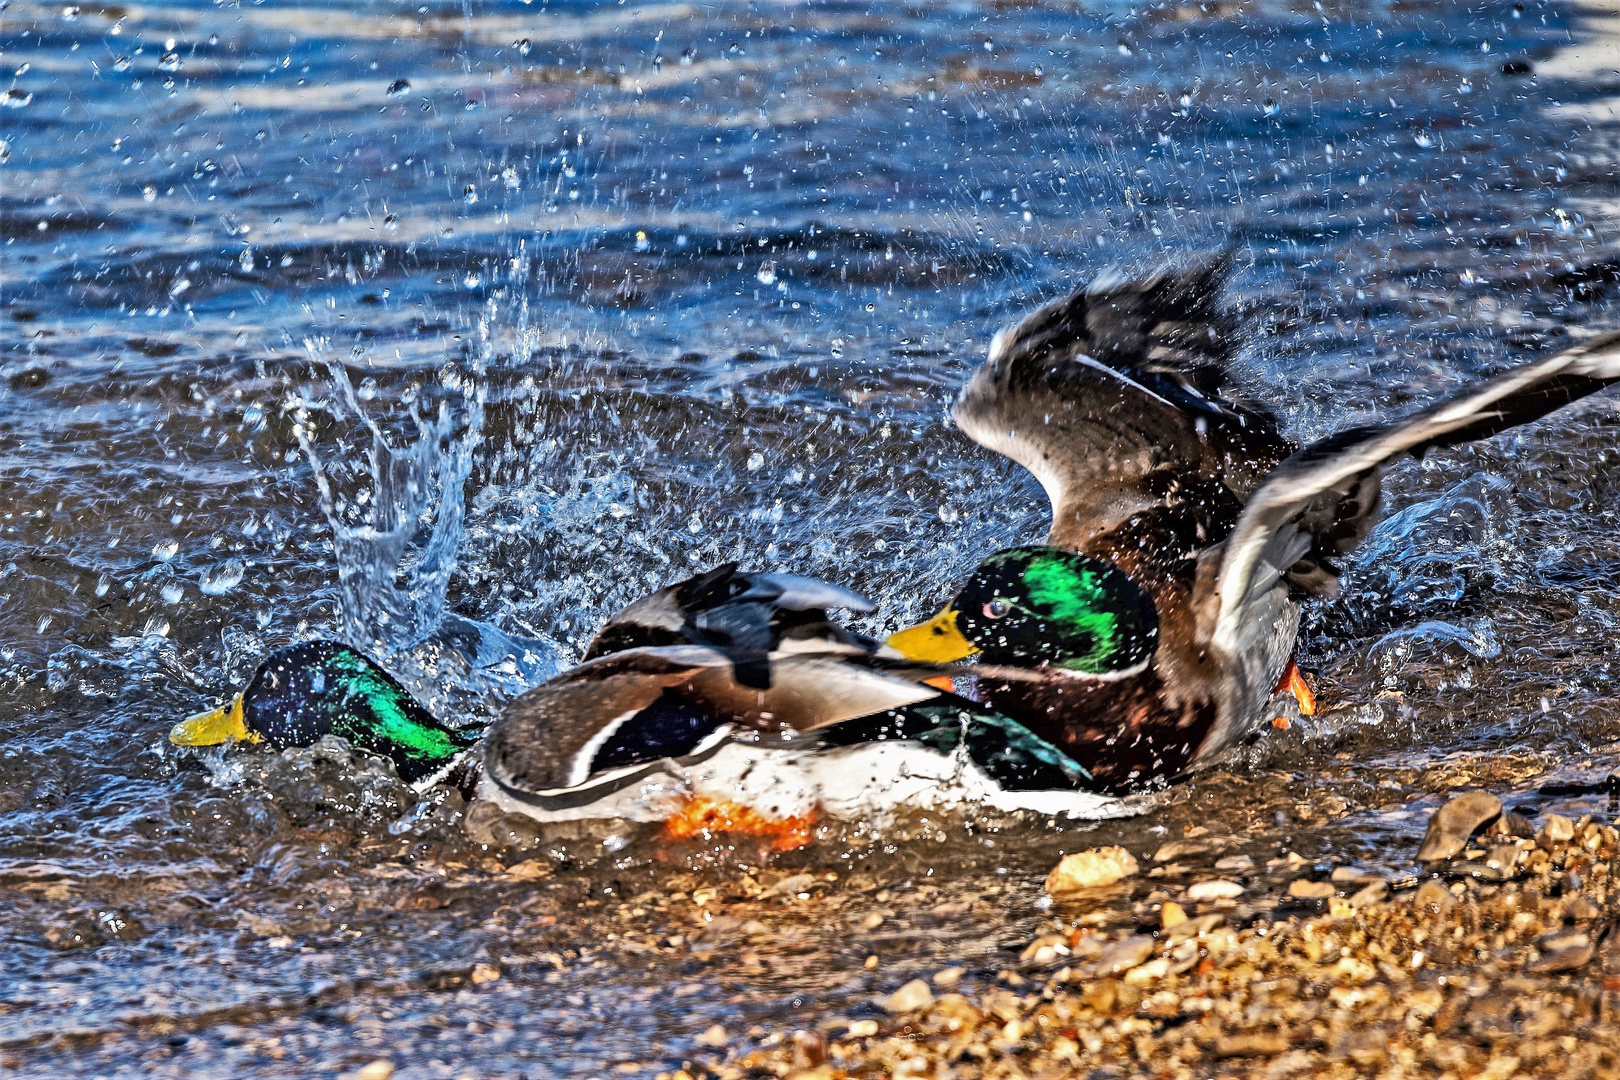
1322, 500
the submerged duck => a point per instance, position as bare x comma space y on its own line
320, 688
1158, 620
733, 698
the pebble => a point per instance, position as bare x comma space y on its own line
1557, 829
1234, 864
792, 885
1214, 889
948, 978
912, 997
1452, 824
863, 1029
1124, 955
1305, 889
872, 921
714, 1037
376, 1070
1180, 849
1091, 869
1432, 894
1172, 915
1371, 893
529, 870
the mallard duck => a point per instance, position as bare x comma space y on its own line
323, 688
1159, 617
734, 698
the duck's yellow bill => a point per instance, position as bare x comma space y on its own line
212, 728
936, 641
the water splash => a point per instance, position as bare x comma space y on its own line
396, 558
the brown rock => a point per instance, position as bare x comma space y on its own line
1569, 958
1432, 896
1251, 1044
1090, 869
1304, 889
1124, 955
1557, 829
914, 996
1452, 824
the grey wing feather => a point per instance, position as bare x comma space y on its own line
1323, 500
796, 593
1116, 392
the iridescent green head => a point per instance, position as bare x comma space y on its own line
1030, 606
326, 688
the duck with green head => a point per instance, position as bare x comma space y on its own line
320, 688
1156, 623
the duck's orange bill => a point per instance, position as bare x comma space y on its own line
701, 815
1293, 681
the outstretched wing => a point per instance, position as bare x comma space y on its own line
1117, 399
1323, 501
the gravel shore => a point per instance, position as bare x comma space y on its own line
1492, 961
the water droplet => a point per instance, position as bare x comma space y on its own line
1270, 108
149, 193
170, 61
524, 47
472, 280
510, 176
614, 842
367, 390
642, 243
121, 64
1423, 139
767, 274
15, 99
469, 194
173, 593
756, 461
399, 88
246, 261
221, 579
180, 286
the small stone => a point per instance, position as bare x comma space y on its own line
485, 973
1344, 875
1571, 957
1180, 849
1304, 889
1214, 889
529, 870
862, 1029
1512, 823
1432, 895
1452, 824
948, 978
912, 997
1125, 954
872, 921
714, 1037
1234, 864
792, 885
376, 1070
1251, 1044
1172, 914
1557, 829
1581, 909
1090, 869
1373, 892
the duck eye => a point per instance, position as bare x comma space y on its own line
996, 608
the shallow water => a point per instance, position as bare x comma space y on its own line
689, 283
